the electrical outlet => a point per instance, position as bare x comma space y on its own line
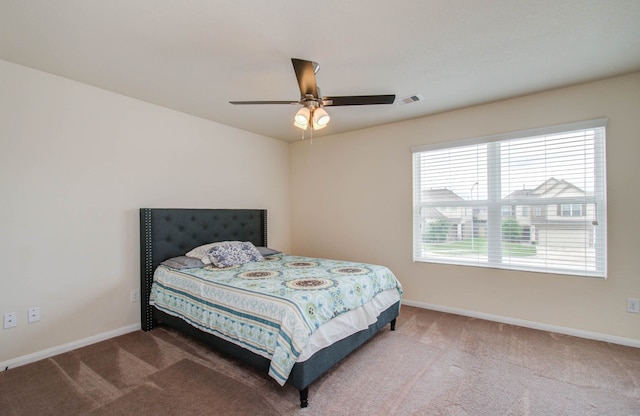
34, 314
10, 320
135, 295
633, 305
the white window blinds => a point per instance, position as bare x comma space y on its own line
532, 200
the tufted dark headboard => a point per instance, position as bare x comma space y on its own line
168, 232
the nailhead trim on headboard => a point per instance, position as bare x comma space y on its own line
147, 269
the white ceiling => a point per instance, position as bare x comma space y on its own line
196, 55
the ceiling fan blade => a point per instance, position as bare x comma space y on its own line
359, 100
262, 102
305, 73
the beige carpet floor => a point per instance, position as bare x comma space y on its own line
433, 364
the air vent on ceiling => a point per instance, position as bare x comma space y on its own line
410, 99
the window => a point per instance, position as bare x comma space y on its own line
571, 210
467, 195
507, 210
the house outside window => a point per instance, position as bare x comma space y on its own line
532, 200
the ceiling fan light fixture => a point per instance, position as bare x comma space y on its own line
301, 119
320, 118
299, 125
302, 116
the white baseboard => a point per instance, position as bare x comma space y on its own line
629, 342
50, 352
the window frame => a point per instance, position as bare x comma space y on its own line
571, 210
495, 204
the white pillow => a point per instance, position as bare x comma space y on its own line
202, 252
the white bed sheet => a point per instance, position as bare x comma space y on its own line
349, 323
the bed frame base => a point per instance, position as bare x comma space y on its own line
302, 374
304, 393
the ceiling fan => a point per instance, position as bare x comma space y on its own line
312, 113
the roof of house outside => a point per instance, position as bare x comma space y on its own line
550, 188
441, 194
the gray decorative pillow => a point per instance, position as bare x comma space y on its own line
266, 251
183, 262
234, 253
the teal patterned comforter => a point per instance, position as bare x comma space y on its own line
270, 307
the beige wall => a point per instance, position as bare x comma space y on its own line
76, 164
353, 200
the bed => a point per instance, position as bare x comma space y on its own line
303, 355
